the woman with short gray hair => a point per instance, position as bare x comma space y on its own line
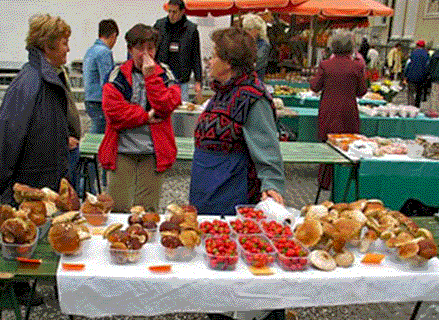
342, 43
340, 79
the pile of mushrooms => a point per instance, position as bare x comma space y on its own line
68, 232
328, 227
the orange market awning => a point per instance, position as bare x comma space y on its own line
339, 8
225, 7
303, 22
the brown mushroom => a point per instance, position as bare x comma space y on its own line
322, 260
408, 251
309, 232
427, 249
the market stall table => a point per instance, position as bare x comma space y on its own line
38, 273
292, 152
104, 289
391, 178
295, 101
184, 121
305, 125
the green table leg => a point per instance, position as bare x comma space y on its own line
10, 293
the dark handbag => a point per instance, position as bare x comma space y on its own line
414, 207
285, 133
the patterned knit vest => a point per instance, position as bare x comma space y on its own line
219, 127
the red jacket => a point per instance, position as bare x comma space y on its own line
121, 114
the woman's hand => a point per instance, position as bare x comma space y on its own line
273, 194
148, 65
73, 143
152, 117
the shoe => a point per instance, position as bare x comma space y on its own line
22, 292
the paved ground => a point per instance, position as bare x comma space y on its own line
301, 190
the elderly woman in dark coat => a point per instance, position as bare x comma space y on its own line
341, 79
39, 122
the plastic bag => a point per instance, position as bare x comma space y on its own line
278, 212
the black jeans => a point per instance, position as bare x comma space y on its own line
414, 93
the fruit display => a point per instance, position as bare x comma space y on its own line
273, 229
365, 147
256, 251
245, 226
147, 219
214, 228
221, 253
291, 256
68, 233
288, 76
180, 233
95, 209
284, 90
18, 236
250, 212
430, 146
125, 245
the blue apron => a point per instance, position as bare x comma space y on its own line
218, 182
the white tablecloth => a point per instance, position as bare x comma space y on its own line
104, 289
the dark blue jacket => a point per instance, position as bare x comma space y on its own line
189, 52
433, 67
34, 128
416, 70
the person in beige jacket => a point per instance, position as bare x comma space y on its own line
394, 61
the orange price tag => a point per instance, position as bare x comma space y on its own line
160, 269
73, 266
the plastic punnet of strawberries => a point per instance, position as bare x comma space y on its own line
273, 229
245, 226
221, 253
250, 212
214, 228
291, 255
257, 251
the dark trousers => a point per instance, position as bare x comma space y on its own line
414, 93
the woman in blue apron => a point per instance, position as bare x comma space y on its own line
237, 157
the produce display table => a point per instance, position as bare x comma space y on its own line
392, 178
293, 84
295, 101
103, 288
292, 152
44, 272
305, 125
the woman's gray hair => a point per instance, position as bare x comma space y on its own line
342, 42
253, 21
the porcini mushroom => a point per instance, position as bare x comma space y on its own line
309, 232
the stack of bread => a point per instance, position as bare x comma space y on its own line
327, 229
